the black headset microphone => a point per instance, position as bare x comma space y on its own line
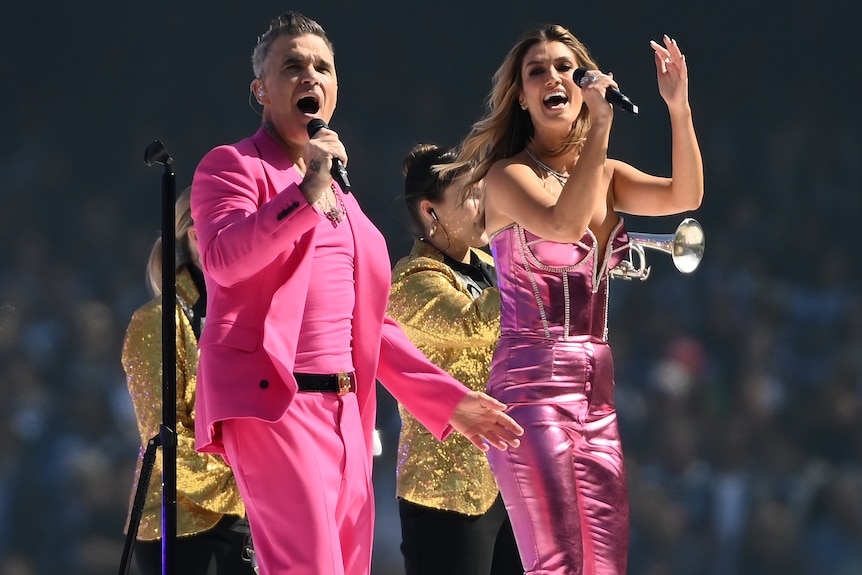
338, 171
612, 95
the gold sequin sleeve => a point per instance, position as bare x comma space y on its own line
459, 334
437, 312
206, 488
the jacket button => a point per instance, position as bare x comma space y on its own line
264, 384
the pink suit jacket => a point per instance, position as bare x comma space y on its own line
256, 236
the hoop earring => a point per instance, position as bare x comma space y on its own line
433, 230
448, 240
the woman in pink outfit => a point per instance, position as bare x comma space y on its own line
552, 206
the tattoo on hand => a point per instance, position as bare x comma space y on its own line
314, 166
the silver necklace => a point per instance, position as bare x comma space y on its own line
559, 176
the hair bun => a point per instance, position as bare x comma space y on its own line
424, 153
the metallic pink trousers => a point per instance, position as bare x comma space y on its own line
564, 487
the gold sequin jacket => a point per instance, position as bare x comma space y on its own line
458, 333
206, 488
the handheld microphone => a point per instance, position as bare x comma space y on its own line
612, 95
338, 171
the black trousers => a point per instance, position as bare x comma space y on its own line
219, 551
435, 542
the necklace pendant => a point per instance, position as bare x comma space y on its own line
334, 215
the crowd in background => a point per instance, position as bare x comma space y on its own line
739, 387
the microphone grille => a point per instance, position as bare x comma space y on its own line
314, 126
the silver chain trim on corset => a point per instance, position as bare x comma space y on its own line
607, 299
522, 247
529, 258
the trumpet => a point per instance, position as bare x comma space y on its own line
685, 247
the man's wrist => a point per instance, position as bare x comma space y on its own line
311, 173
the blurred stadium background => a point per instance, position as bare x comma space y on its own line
739, 386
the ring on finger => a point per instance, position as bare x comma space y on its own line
588, 79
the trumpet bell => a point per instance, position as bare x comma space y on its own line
685, 247
688, 245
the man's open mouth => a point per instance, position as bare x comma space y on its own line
308, 105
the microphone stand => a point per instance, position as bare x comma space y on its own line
167, 437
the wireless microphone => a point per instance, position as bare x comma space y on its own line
612, 95
338, 171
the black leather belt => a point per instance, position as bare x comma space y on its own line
340, 383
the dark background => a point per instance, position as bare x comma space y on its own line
738, 386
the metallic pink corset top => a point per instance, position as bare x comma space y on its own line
554, 290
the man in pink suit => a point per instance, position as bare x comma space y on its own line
296, 334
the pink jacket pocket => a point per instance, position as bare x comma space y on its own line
230, 334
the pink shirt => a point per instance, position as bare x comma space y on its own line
324, 344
